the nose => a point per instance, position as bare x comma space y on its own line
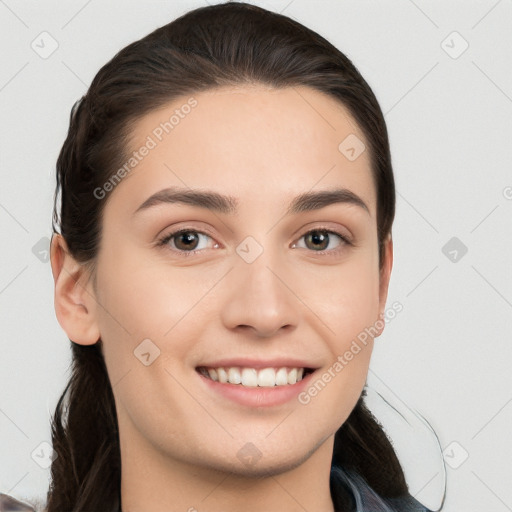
260, 297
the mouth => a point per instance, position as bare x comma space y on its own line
255, 377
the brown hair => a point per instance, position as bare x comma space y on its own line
225, 44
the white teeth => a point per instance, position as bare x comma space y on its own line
251, 377
234, 376
292, 376
281, 377
267, 377
223, 375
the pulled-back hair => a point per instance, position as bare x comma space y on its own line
215, 46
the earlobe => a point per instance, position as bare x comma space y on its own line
75, 303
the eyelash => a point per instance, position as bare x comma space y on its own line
164, 241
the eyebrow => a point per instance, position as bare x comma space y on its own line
220, 203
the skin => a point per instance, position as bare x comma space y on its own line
179, 441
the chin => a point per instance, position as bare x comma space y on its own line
255, 464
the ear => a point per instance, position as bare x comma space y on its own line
75, 301
385, 275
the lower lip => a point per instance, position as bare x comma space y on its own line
257, 396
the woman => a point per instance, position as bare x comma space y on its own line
227, 198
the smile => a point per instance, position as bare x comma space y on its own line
253, 377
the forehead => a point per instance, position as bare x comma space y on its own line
250, 141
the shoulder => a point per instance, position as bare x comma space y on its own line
10, 504
365, 499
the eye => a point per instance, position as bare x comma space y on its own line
188, 241
318, 240
185, 241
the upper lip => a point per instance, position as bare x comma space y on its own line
258, 363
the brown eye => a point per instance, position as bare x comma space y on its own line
185, 241
319, 240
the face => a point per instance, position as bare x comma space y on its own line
258, 286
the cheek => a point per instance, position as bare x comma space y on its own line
350, 313
143, 297
144, 300
142, 313
347, 300
349, 306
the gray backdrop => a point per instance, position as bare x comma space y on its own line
442, 74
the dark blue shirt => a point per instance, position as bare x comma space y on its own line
349, 486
